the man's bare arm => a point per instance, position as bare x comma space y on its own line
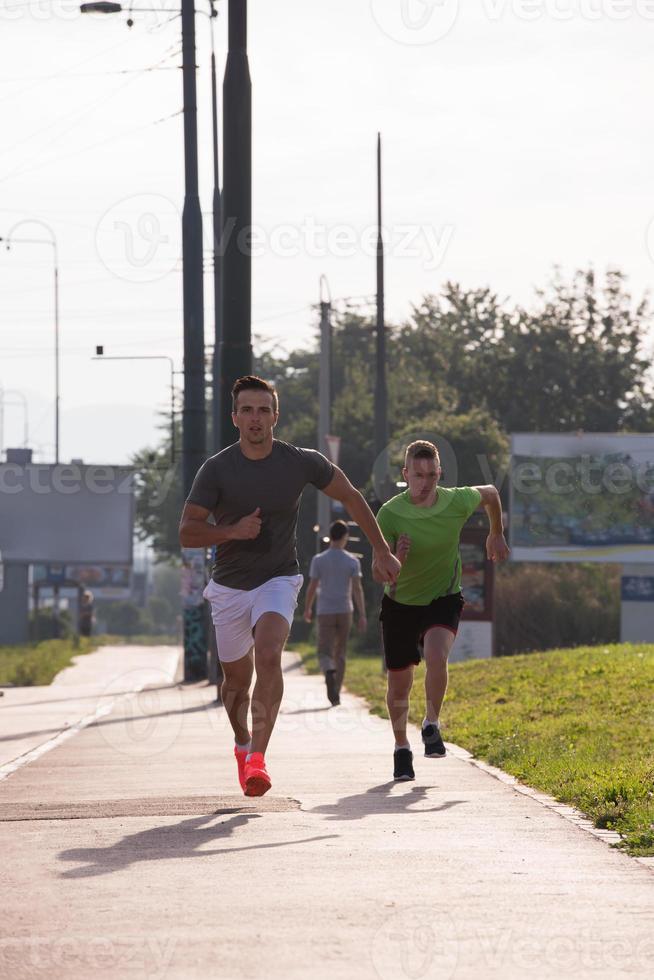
384, 562
196, 532
496, 546
359, 598
312, 588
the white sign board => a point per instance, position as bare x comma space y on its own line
474, 641
66, 513
585, 497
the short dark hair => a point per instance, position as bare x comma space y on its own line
421, 449
338, 530
250, 382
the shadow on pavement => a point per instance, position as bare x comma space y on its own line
118, 720
163, 843
379, 799
89, 697
308, 711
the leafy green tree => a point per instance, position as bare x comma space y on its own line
576, 362
159, 497
123, 618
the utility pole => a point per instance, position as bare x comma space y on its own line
194, 412
381, 400
325, 399
236, 346
216, 443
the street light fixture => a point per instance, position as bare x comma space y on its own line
10, 240
100, 356
104, 7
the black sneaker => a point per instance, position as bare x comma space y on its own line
332, 693
403, 765
431, 739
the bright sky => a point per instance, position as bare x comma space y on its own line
517, 134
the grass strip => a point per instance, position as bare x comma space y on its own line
577, 724
28, 664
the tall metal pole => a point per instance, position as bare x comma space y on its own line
216, 443
325, 398
52, 241
194, 413
236, 346
194, 417
381, 420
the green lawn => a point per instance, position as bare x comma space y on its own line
577, 724
29, 664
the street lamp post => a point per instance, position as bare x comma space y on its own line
106, 7
100, 356
381, 420
10, 240
194, 422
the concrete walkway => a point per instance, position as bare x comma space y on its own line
129, 852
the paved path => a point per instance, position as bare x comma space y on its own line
129, 852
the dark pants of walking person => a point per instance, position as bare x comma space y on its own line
333, 631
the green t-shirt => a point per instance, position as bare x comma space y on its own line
433, 566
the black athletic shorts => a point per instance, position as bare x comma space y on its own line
404, 627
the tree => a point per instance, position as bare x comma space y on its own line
159, 497
576, 362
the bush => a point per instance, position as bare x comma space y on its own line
543, 606
44, 626
123, 618
160, 614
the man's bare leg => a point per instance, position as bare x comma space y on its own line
400, 683
437, 645
235, 692
270, 635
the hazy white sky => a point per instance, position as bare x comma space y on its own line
517, 134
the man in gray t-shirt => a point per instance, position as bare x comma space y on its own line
245, 502
335, 576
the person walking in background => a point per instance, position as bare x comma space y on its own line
86, 613
335, 577
420, 614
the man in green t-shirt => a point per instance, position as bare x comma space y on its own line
421, 612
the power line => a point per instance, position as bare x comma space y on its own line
92, 146
89, 74
77, 64
20, 169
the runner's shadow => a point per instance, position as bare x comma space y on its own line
308, 711
182, 840
379, 799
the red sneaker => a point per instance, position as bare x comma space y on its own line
241, 756
257, 780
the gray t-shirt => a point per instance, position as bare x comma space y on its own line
334, 568
232, 486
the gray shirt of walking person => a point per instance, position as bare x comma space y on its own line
334, 569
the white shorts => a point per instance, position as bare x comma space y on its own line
235, 612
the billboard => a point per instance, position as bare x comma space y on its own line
105, 581
583, 497
66, 514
